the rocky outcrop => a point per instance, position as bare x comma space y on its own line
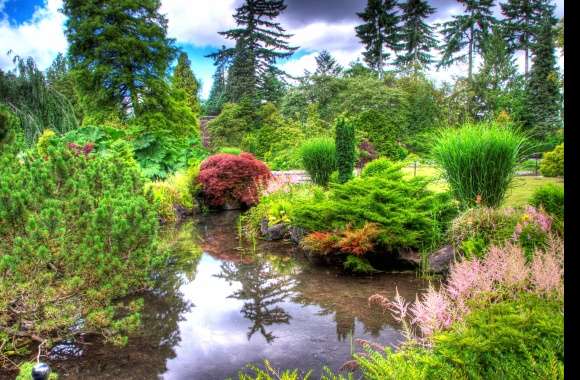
276, 232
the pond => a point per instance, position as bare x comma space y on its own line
242, 302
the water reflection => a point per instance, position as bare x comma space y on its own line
263, 289
235, 305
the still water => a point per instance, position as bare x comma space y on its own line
233, 303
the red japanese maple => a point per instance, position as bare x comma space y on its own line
228, 177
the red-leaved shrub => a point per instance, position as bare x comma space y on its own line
228, 178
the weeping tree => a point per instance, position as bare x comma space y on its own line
27, 93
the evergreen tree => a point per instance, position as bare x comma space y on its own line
523, 20
327, 65
120, 53
345, 149
273, 87
184, 79
543, 91
378, 31
217, 93
260, 42
468, 30
417, 37
497, 86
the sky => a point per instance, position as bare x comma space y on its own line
36, 28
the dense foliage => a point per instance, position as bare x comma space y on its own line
345, 149
552, 164
479, 161
77, 234
227, 178
319, 159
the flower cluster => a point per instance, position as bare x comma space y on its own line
533, 217
504, 270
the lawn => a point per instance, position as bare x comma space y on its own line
518, 195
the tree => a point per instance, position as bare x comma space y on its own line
273, 87
327, 65
184, 79
217, 93
60, 78
543, 91
522, 21
345, 149
120, 53
38, 106
417, 37
497, 86
470, 30
378, 31
260, 42
560, 35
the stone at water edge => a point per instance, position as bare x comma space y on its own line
275, 232
297, 234
440, 260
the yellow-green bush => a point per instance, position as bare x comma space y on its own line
552, 164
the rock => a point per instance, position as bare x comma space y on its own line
410, 256
275, 232
297, 234
440, 260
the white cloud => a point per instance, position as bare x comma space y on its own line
41, 38
198, 21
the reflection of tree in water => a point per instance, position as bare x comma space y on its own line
149, 349
263, 288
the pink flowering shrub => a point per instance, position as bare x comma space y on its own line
503, 272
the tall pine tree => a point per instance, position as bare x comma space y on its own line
260, 42
468, 30
417, 37
543, 98
379, 31
120, 53
327, 65
217, 94
523, 21
184, 79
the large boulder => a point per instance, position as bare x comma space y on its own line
440, 260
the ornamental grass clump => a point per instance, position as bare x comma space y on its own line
319, 159
479, 161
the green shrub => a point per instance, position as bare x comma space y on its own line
479, 161
515, 339
345, 149
382, 166
551, 198
319, 159
477, 229
406, 212
77, 235
552, 164
230, 150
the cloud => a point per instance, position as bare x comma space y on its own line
42, 37
198, 22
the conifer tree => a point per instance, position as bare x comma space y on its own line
119, 51
379, 31
468, 30
417, 37
217, 93
183, 78
273, 87
543, 91
60, 78
260, 42
523, 19
345, 149
327, 65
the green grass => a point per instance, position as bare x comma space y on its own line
519, 193
522, 189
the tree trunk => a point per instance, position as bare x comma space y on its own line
470, 54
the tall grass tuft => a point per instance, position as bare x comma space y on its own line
319, 159
479, 161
